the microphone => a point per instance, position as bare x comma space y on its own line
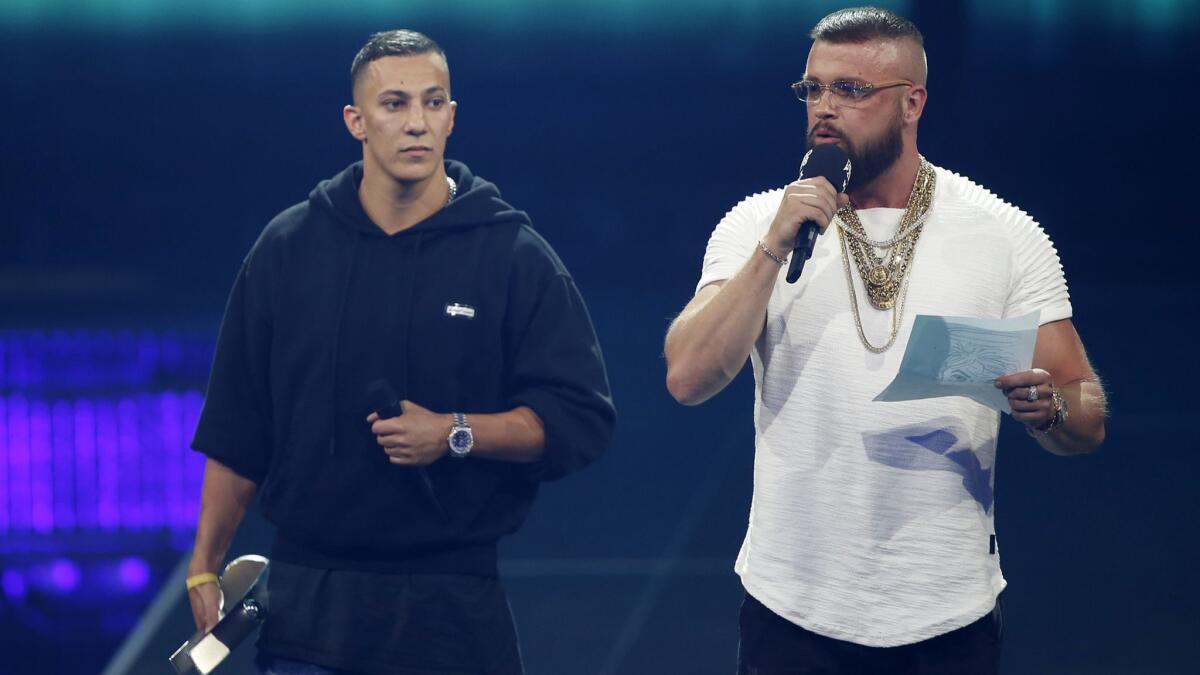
830, 161
386, 403
384, 400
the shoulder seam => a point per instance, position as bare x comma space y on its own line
974, 194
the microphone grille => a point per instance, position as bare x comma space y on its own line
827, 160
381, 394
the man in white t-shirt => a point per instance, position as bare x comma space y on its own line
870, 546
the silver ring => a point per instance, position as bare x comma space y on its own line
1032, 395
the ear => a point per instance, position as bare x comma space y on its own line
353, 118
453, 109
914, 104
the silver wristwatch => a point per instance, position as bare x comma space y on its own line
1061, 410
461, 438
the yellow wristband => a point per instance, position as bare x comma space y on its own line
200, 579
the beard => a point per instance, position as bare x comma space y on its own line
871, 157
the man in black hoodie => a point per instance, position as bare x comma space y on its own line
403, 267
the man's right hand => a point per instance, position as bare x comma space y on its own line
812, 199
223, 502
206, 604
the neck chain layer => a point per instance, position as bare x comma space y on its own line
886, 278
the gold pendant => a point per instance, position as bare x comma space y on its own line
883, 297
879, 276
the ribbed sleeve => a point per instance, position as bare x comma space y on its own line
736, 237
1037, 281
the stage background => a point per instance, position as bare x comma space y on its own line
145, 144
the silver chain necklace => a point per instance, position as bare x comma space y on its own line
901, 234
453, 189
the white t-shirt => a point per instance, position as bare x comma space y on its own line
872, 522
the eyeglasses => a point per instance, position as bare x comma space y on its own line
848, 93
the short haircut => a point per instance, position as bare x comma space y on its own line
862, 24
392, 43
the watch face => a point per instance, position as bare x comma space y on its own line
461, 439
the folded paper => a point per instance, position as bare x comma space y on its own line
963, 356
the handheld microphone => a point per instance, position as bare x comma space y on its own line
830, 161
386, 403
384, 400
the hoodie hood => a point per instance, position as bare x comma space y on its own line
477, 203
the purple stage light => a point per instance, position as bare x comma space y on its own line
87, 493
13, 583
90, 440
19, 476
129, 486
106, 462
62, 441
4, 517
134, 573
64, 575
41, 464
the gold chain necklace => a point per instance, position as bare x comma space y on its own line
886, 281
883, 277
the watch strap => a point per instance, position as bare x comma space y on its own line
460, 427
1060, 415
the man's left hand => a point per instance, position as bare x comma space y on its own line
416, 438
1033, 410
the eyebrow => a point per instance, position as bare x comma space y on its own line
836, 79
437, 88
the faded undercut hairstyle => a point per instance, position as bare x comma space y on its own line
392, 43
861, 24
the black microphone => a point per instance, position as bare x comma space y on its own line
384, 400
386, 403
830, 161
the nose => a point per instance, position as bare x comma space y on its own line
824, 106
414, 123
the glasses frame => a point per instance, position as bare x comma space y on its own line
868, 88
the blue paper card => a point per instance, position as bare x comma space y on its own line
962, 356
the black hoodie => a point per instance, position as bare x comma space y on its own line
468, 311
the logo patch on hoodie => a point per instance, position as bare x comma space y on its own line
456, 309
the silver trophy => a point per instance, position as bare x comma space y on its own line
243, 608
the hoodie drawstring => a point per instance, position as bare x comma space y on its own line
337, 338
410, 293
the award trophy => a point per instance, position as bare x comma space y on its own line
243, 608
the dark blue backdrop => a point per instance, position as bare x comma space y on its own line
139, 164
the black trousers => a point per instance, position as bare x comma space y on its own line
772, 645
350, 621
